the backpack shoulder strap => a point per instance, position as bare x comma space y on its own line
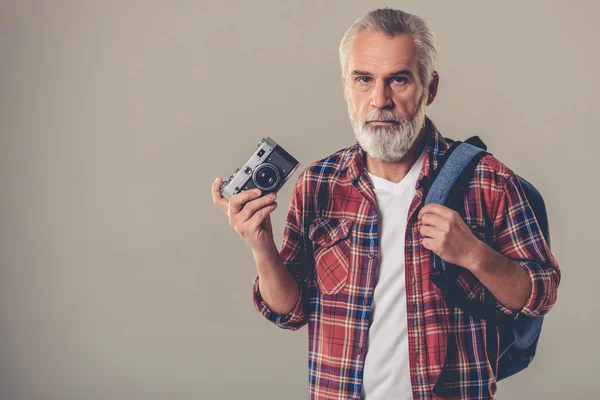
460, 159
452, 176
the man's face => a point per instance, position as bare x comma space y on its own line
385, 96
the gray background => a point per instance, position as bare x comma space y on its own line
118, 276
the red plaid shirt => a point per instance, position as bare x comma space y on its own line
336, 274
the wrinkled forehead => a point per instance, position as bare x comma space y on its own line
379, 54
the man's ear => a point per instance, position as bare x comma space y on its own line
433, 87
344, 87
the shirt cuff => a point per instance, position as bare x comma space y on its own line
293, 320
534, 302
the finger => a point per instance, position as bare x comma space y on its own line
429, 232
261, 214
435, 221
236, 202
436, 209
427, 243
217, 197
253, 205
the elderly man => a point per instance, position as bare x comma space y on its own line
356, 255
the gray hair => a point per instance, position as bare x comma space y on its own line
394, 23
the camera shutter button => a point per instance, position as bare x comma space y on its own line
248, 170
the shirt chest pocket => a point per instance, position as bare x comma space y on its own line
331, 250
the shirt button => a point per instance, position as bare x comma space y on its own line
365, 302
414, 307
371, 254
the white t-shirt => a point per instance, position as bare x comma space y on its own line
387, 371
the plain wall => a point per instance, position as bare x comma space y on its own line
120, 279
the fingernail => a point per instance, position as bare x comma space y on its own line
257, 191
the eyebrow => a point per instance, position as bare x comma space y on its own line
402, 72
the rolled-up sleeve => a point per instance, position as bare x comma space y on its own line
518, 236
293, 256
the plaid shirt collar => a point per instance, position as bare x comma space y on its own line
353, 162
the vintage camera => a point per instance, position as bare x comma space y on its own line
268, 169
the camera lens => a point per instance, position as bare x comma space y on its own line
266, 176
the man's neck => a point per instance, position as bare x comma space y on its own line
396, 171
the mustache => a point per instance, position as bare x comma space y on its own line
384, 115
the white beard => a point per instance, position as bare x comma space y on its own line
388, 143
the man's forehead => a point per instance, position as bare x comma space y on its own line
378, 53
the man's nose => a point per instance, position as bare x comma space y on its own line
380, 96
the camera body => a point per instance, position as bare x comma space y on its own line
268, 169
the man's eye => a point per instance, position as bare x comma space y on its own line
399, 79
363, 79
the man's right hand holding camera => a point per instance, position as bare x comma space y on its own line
249, 216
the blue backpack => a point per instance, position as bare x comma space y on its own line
518, 337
